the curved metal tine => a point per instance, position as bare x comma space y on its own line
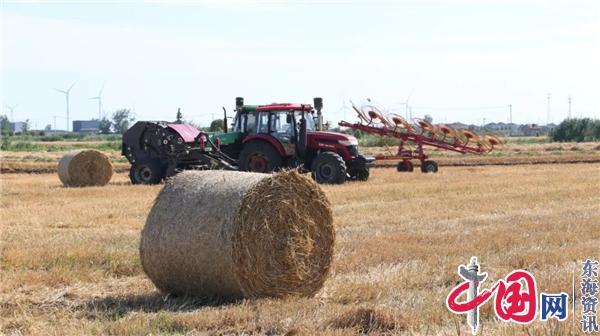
491, 141
481, 142
468, 135
388, 124
447, 131
398, 121
425, 126
374, 115
494, 140
361, 115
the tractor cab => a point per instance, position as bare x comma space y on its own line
278, 124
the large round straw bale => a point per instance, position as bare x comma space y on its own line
85, 168
232, 234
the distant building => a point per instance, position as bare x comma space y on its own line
17, 126
86, 126
458, 125
55, 132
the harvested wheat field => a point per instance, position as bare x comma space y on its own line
70, 262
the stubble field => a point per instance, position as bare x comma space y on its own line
69, 257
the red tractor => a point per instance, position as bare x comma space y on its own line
268, 137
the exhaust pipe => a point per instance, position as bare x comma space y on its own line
239, 103
318, 102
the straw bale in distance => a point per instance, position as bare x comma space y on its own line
83, 168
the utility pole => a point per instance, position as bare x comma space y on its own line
67, 95
548, 116
54, 122
510, 121
569, 107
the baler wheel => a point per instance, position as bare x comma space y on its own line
149, 172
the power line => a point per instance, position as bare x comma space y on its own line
462, 108
548, 115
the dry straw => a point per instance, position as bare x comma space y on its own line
83, 168
231, 234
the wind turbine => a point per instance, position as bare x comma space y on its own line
408, 108
12, 110
99, 98
66, 93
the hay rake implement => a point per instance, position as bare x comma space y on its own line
422, 133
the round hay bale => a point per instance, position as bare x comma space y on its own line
83, 168
231, 234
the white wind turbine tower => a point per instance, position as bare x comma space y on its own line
66, 93
407, 108
12, 111
99, 98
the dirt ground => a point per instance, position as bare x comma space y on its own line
69, 257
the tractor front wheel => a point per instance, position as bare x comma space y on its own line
361, 174
429, 166
329, 168
150, 172
259, 157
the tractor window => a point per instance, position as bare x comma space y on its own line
263, 122
310, 122
280, 123
282, 128
250, 123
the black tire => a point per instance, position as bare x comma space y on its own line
149, 172
260, 157
429, 167
361, 174
405, 166
329, 168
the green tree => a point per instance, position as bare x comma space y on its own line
216, 125
577, 130
5, 125
105, 125
179, 118
121, 120
26, 126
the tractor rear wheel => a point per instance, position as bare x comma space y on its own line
429, 166
360, 174
329, 168
405, 166
259, 157
149, 172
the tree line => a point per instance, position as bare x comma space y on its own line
576, 130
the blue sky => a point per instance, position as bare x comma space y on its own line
461, 60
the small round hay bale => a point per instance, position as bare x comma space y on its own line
84, 168
231, 234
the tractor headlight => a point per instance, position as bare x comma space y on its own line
349, 142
